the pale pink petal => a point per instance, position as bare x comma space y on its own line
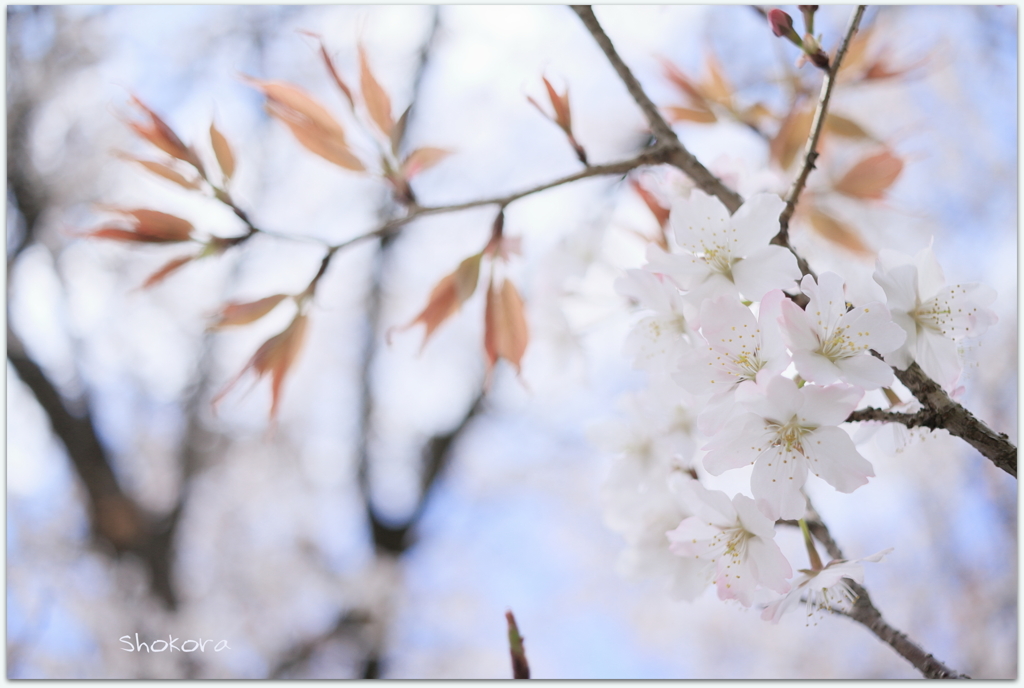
816, 368
871, 326
833, 457
900, 287
686, 271
938, 357
756, 222
930, 279
827, 298
697, 220
776, 480
751, 518
773, 346
735, 450
865, 371
797, 327
766, 268
828, 405
768, 564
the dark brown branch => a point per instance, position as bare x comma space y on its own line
864, 611
680, 156
817, 125
949, 415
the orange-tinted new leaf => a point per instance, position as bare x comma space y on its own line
563, 116
717, 87
681, 114
871, 177
166, 270
837, 232
149, 226
791, 137
448, 296
311, 123
505, 331
847, 128
243, 313
330, 68
222, 149
160, 135
276, 356
660, 212
376, 98
422, 159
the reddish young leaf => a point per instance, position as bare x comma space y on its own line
791, 137
871, 177
563, 116
717, 87
166, 270
310, 122
162, 170
659, 211
677, 77
221, 149
148, 226
330, 68
398, 131
276, 356
243, 313
837, 232
447, 297
681, 114
505, 331
376, 98
162, 136
847, 128
422, 159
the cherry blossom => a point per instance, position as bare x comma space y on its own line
657, 340
934, 315
830, 343
726, 255
822, 589
737, 347
787, 432
735, 542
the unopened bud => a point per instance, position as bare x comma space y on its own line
781, 23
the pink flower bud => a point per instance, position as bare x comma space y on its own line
781, 23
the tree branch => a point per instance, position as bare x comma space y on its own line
864, 612
680, 156
817, 125
948, 414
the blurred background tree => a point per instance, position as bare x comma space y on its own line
398, 509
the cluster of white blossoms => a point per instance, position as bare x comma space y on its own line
741, 371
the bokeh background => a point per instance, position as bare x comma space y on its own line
146, 513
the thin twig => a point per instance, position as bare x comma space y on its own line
680, 157
652, 156
817, 125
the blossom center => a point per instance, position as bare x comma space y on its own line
789, 435
719, 259
838, 345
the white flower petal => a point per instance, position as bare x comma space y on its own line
865, 371
776, 480
833, 457
764, 269
698, 221
757, 221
